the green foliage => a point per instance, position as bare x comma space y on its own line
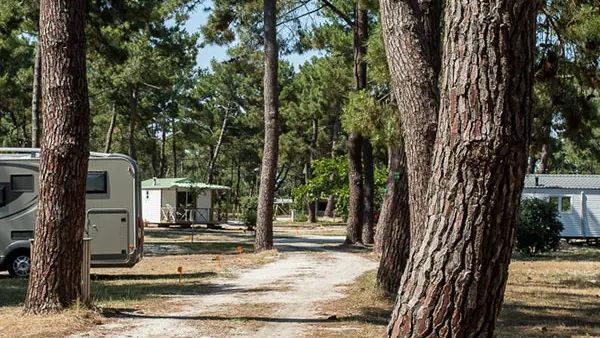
249, 206
539, 228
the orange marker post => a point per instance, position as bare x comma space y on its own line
180, 270
239, 249
219, 261
297, 233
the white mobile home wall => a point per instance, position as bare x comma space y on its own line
583, 220
151, 199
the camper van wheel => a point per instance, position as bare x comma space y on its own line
19, 265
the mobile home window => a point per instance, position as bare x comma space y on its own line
21, 183
565, 204
96, 182
554, 202
2, 198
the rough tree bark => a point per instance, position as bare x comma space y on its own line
355, 212
354, 226
264, 223
55, 280
531, 162
395, 237
369, 191
111, 128
312, 205
133, 102
454, 282
411, 31
35, 99
386, 212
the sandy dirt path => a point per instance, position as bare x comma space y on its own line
307, 273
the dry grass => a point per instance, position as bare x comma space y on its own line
14, 324
241, 320
557, 295
364, 312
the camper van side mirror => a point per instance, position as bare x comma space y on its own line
2, 196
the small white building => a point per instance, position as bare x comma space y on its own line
577, 198
171, 201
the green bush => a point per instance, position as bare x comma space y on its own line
539, 228
248, 207
300, 217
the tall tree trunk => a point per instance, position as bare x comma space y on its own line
454, 282
55, 280
264, 224
395, 224
355, 216
368, 188
531, 162
35, 98
111, 128
236, 200
163, 145
543, 159
133, 102
215, 155
412, 36
312, 205
354, 226
174, 148
382, 220
334, 139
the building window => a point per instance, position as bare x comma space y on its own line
21, 183
554, 201
565, 204
96, 182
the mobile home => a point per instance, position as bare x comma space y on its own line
178, 201
113, 209
577, 198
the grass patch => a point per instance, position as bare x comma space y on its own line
13, 323
208, 248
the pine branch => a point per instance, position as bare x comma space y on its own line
341, 14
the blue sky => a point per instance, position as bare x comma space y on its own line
206, 54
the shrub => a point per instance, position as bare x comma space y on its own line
248, 206
539, 228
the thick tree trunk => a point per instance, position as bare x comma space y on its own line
543, 159
111, 128
387, 203
355, 212
329, 209
35, 99
369, 191
264, 224
55, 280
454, 282
215, 155
354, 225
312, 205
411, 34
395, 238
133, 102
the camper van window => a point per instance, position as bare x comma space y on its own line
565, 205
96, 182
2, 202
21, 183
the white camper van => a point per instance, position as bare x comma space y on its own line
113, 209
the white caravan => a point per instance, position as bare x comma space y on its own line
113, 209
